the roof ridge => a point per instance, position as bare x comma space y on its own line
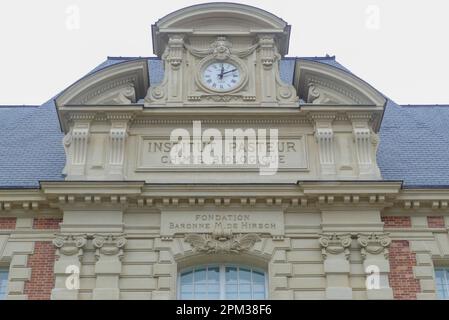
326, 57
20, 106
129, 58
424, 105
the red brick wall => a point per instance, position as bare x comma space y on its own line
435, 222
42, 278
42, 262
46, 223
402, 280
8, 223
397, 222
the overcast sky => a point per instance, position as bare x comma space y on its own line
401, 47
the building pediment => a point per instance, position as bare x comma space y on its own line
121, 84
220, 19
323, 84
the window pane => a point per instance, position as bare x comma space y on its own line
206, 283
245, 292
244, 276
3, 284
200, 276
258, 277
213, 275
232, 292
187, 278
442, 283
231, 275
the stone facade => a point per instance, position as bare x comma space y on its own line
126, 222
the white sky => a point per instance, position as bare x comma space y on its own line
400, 47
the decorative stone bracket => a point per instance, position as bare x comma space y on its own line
117, 146
75, 143
324, 135
366, 143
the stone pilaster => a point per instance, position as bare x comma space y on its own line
336, 252
69, 251
109, 253
174, 58
268, 57
374, 250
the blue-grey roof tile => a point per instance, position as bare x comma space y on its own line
30, 146
414, 139
414, 145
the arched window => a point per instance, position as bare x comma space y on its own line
222, 282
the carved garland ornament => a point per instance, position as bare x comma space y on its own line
223, 242
335, 244
374, 244
221, 49
109, 245
70, 245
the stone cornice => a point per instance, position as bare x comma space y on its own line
309, 194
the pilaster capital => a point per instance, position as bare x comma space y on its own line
109, 245
70, 244
374, 243
335, 244
175, 48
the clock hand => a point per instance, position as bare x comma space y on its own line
228, 72
222, 72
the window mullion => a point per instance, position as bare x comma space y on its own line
446, 283
222, 282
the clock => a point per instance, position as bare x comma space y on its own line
221, 76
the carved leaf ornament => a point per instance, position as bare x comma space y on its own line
222, 242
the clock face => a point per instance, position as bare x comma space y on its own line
221, 76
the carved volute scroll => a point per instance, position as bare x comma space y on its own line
335, 244
109, 245
375, 244
70, 245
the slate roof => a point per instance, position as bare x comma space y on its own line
414, 139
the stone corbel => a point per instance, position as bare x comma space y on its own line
335, 244
324, 135
365, 141
76, 145
118, 135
